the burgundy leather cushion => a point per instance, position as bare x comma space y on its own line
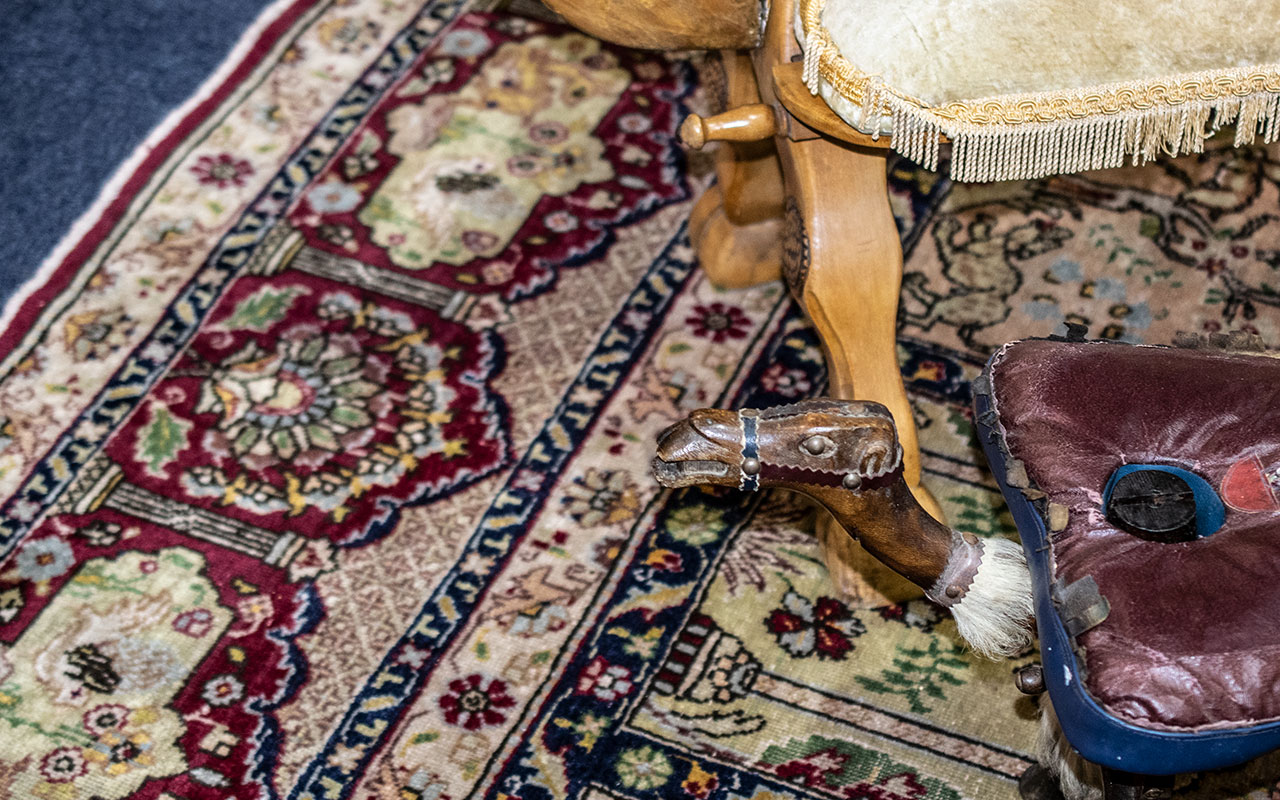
1193, 638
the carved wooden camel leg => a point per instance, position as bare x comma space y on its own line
838, 203
842, 259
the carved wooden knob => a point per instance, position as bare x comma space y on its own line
749, 123
1030, 679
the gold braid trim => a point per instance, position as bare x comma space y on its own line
1023, 136
1040, 107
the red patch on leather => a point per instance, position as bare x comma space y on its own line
1246, 488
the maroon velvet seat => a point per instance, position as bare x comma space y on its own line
1191, 642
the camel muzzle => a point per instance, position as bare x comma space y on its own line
702, 448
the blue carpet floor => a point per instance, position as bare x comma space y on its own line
81, 85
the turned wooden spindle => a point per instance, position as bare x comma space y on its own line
749, 123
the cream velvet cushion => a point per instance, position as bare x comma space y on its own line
1129, 77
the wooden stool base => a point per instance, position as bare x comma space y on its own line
734, 256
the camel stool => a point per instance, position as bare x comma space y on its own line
1145, 482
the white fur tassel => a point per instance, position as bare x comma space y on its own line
1077, 778
994, 616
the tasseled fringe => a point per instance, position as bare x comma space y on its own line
1036, 150
1078, 779
995, 616
814, 47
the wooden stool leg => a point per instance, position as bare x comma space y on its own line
734, 256
842, 257
736, 226
1038, 784
1124, 786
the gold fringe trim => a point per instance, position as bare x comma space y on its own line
1024, 136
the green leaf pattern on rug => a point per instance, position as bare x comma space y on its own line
265, 307
983, 515
920, 673
961, 426
160, 442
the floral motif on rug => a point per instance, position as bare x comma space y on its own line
324, 454
294, 336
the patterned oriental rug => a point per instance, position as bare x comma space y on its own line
324, 441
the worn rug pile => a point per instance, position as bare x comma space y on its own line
324, 441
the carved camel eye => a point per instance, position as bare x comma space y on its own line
819, 446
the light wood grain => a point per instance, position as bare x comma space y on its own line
736, 226
813, 111
748, 172
794, 96
855, 274
663, 25
838, 177
749, 123
734, 255
851, 295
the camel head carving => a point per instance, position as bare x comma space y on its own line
821, 443
845, 455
